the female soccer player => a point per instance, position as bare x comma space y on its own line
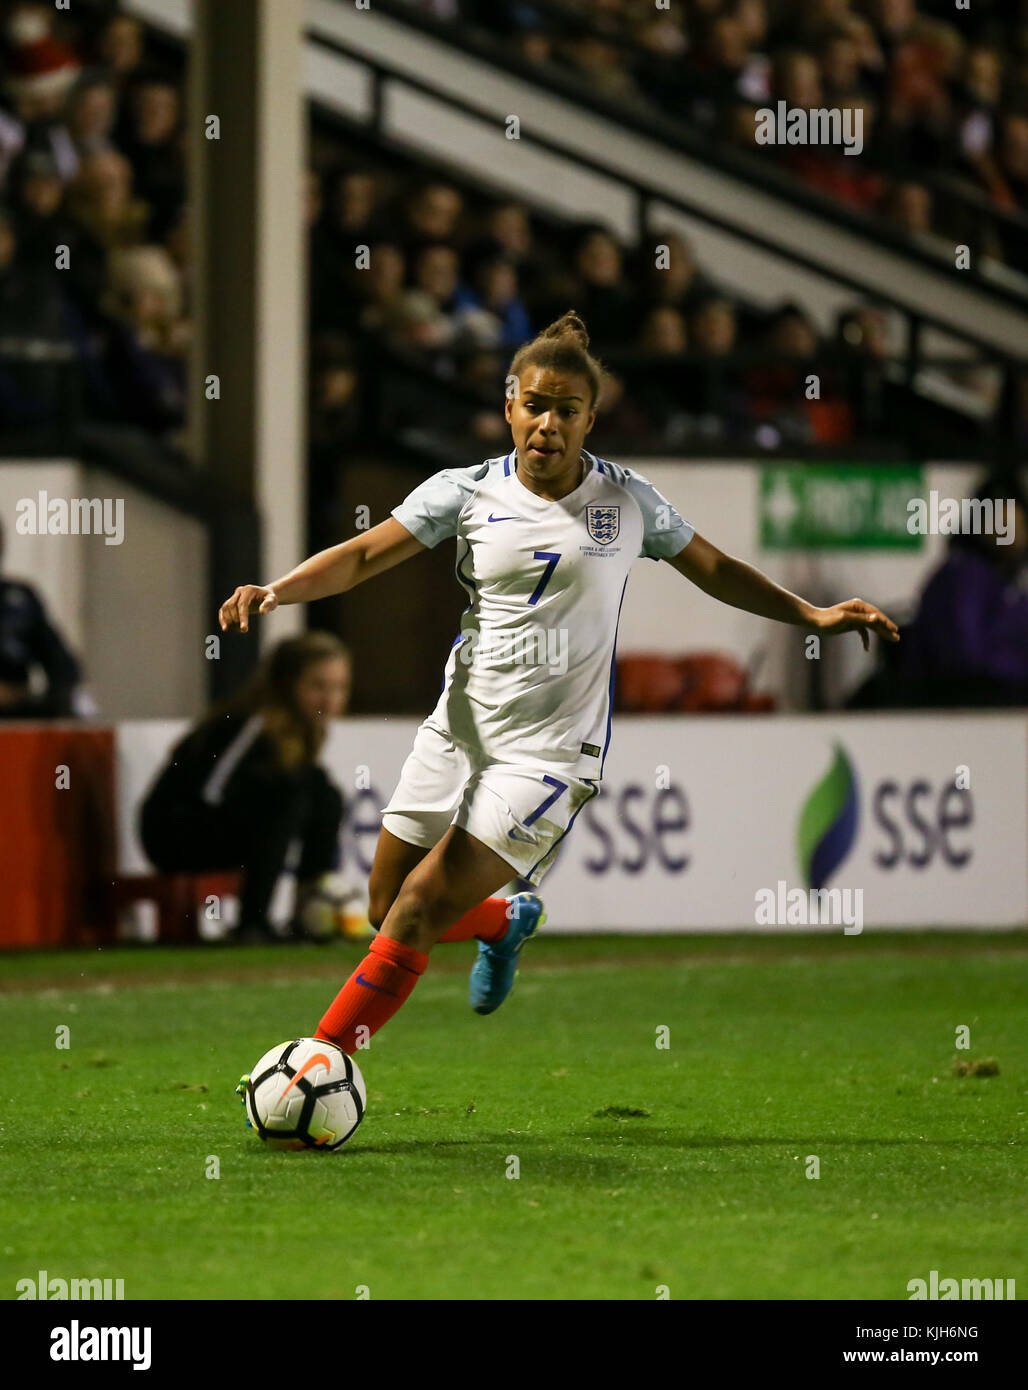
515, 746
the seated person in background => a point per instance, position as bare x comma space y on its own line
28, 640
968, 643
245, 783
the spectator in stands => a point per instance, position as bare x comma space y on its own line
680, 283
437, 274
663, 332
841, 70
775, 385
508, 227
968, 643
40, 71
433, 213
355, 211
102, 202
244, 785
349, 215
736, 68
31, 310
91, 113
657, 388
795, 390
149, 335
599, 64
712, 327
382, 286
402, 317
713, 392
895, 21
862, 344
37, 197
29, 643
917, 107
977, 105
600, 292
494, 289
791, 336
507, 230
796, 80
120, 48
813, 21
752, 15
153, 147
437, 277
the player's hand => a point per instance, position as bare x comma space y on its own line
237, 608
857, 616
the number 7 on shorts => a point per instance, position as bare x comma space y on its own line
545, 805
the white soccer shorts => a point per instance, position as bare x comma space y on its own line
520, 811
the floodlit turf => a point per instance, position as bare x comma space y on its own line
640, 1166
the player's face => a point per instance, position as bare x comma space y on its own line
549, 419
323, 691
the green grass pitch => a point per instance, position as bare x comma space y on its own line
640, 1166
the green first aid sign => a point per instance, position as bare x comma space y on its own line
854, 506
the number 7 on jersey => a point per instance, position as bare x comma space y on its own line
551, 564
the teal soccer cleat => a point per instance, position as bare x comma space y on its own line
492, 975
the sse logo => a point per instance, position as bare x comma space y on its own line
637, 825
921, 823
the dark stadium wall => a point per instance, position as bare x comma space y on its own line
402, 625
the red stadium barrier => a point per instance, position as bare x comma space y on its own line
57, 840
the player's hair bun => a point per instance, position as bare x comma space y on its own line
562, 347
568, 325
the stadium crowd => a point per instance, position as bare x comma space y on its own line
457, 283
92, 159
937, 89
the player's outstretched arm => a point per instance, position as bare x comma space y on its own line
740, 585
331, 571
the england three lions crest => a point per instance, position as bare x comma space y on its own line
603, 523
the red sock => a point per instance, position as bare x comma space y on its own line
488, 921
373, 993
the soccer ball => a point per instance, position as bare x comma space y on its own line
305, 1094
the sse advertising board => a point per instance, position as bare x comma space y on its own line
925, 816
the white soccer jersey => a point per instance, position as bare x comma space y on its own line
530, 678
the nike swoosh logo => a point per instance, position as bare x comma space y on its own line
504, 518
310, 1062
368, 985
